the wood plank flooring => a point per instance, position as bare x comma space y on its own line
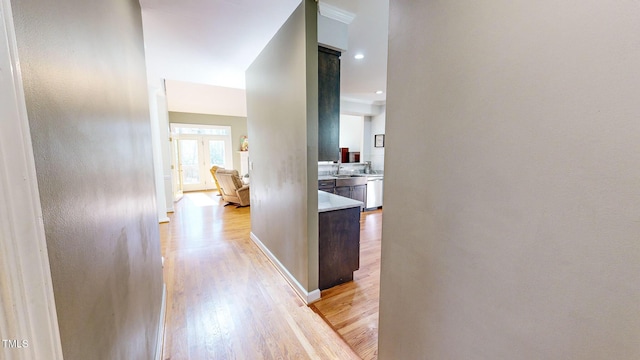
352, 308
225, 300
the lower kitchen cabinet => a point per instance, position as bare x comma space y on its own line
339, 246
343, 191
327, 185
353, 188
357, 192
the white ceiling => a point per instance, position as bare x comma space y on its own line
213, 42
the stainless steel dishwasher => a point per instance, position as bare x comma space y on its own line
374, 192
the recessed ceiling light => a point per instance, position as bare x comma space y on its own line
359, 56
379, 92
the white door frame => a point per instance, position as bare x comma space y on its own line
176, 176
29, 313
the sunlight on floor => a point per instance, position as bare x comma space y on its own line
200, 199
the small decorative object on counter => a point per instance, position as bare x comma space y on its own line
244, 143
367, 167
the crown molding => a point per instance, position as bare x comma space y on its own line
335, 13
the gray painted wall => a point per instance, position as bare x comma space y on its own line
238, 127
282, 117
516, 234
84, 78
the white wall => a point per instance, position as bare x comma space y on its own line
160, 141
357, 130
516, 236
353, 107
187, 97
378, 124
332, 33
367, 139
351, 132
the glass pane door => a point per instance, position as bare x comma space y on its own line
189, 162
197, 153
217, 154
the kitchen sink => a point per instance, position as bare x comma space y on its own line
351, 181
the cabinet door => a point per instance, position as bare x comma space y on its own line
327, 189
359, 193
328, 104
339, 246
326, 185
343, 191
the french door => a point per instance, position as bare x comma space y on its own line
197, 154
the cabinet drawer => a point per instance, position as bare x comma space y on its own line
326, 183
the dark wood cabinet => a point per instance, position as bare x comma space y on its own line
327, 185
343, 191
328, 104
358, 192
351, 188
339, 246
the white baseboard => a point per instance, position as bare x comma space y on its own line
163, 313
307, 296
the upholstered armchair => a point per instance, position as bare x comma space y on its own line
233, 190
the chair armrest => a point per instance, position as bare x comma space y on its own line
244, 195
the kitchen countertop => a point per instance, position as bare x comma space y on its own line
330, 202
369, 176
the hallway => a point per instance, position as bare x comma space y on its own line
225, 300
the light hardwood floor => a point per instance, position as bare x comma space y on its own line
352, 308
225, 300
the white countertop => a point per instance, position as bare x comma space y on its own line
368, 176
330, 202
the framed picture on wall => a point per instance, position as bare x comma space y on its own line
378, 140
